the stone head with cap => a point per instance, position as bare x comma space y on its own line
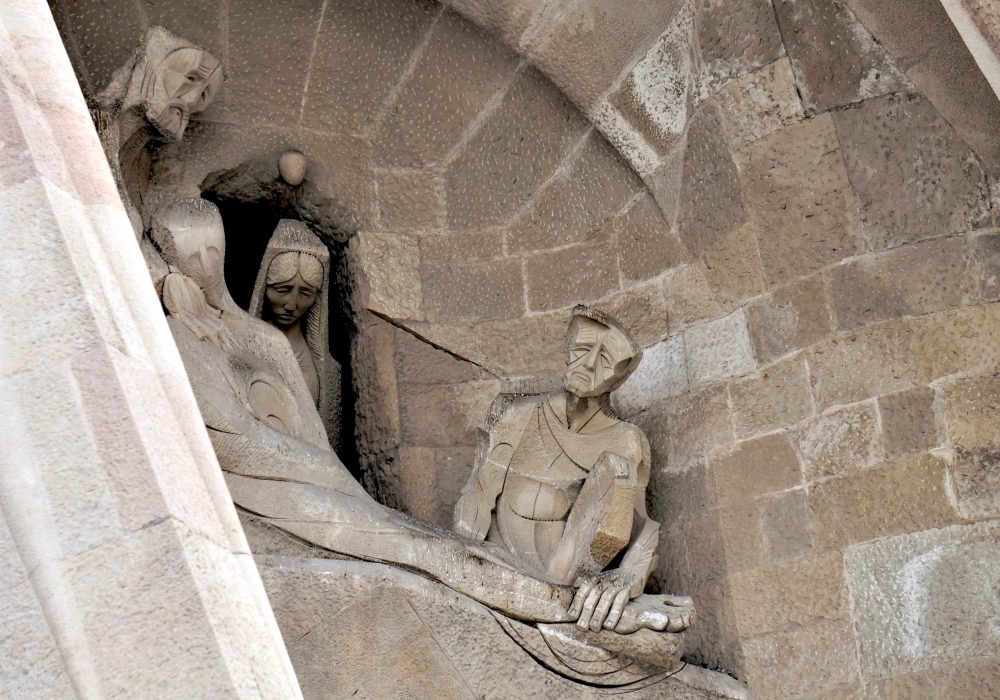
600, 353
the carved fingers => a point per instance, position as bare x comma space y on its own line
601, 598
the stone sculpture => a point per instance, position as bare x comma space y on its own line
273, 450
292, 293
151, 99
561, 481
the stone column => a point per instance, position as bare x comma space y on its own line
123, 567
978, 21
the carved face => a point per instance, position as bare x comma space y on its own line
198, 251
293, 281
598, 357
184, 83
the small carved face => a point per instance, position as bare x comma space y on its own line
184, 83
198, 251
293, 281
597, 358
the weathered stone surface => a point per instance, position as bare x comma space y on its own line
906, 495
473, 291
419, 362
786, 522
970, 411
963, 341
699, 424
661, 373
409, 201
791, 317
760, 103
796, 661
105, 32
985, 266
444, 415
776, 397
486, 68
913, 279
570, 276
642, 309
388, 274
797, 187
431, 480
734, 268
914, 177
507, 18
719, 349
689, 296
711, 203
818, 35
755, 467
834, 443
925, 599
908, 421
876, 360
539, 347
734, 43
741, 529
646, 243
488, 181
575, 205
585, 45
469, 246
979, 678
351, 65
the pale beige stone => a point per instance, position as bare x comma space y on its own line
846, 439
389, 274
760, 103
661, 373
688, 295
790, 317
755, 467
719, 349
776, 397
969, 409
786, 521
908, 421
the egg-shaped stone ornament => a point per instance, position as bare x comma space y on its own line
292, 167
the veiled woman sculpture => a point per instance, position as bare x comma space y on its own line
292, 293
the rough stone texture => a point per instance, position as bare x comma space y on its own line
969, 408
797, 187
755, 467
818, 35
929, 599
907, 495
786, 521
908, 421
985, 267
699, 425
473, 291
388, 274
791, 317
915, 178
719, 349
734, 43
776, 397
914, 279
409, 200
569, 276
957, 342
689, 296
733, 267
661, 373
646, 243
760, 103
846, 439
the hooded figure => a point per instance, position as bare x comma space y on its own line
292, 293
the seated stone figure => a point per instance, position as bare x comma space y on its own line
561, 481
278, 466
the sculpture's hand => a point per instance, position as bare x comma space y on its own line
600, 598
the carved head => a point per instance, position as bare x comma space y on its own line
168, 79
293, 281
600, 353
190, 235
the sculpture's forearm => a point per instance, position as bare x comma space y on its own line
640, 557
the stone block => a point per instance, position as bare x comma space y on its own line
967, 680
459, 71
755, 467
915, 178
646, 242
961, 341
540, 346
908, 422
419, 362
352, 73
913, 279
802, 202
444, 415
706, 549
640, 308
105, 34
508, 19
711, 201
776, 397
740, 524
873, 361
452, 247
431, 480
409, 200
473, 291
926, 599
760, 103
985, 264
586, 45
735, 43
718, 349
798, 594
847, 439
733, 267
699, 425
786, 522
660, 373
514, 150
592, 187
388, 274
802, 660
689, 296
970, 411
906, 495
32, 666
837, 61
679, 496
791, 317
570, 276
